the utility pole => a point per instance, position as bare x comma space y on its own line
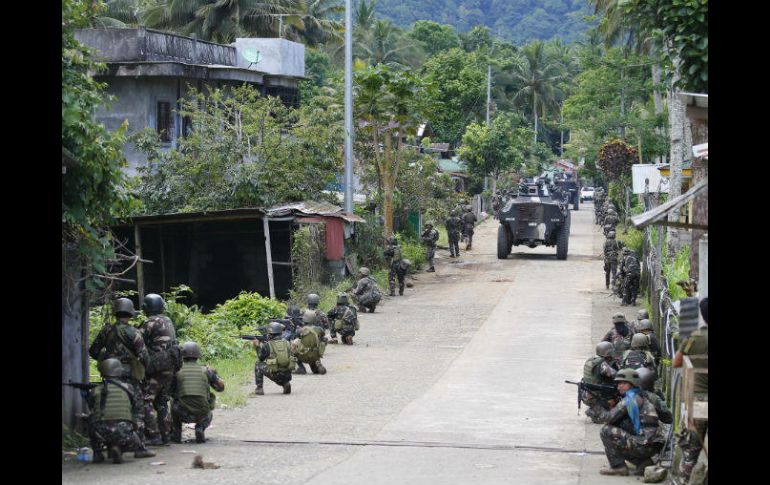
489, 101
348, 107
622, 106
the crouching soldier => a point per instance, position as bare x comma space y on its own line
367, 293
114, 414
274, 360
193, 400
600, 369
344, 320
308, 348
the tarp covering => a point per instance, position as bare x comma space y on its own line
311, 208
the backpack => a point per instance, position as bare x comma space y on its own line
280, 358
634, 359
375, 294
632, 265
168, 359
118, 340
396, 253
590, 370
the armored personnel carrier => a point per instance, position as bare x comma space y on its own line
536, 216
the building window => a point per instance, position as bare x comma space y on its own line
165, 121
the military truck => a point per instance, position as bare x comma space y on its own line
569, 185
536, 216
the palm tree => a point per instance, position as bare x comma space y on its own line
363, 14
119, 13
318, 25
538, 75
384, 43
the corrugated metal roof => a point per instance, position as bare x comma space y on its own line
452, 165
311, 208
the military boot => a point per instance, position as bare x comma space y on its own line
431, 270
300, 368
165, 438
259, 391
639, 472
200, 437
154, 441
318, 368
401, 290
349, 340
141, 453
98, 456
116, 455
287, 388
176, 436
621, 470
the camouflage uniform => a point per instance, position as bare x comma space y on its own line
190, 408
365, 294
620, 337
602, 416
611, 248
453, 229
631, 284
598, 370
691, 440
620, 441
321, 319
124, 342
159, 336
429, 237
393, 256
349, 328
262, 369
469, 220
113, 432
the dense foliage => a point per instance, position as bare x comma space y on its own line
615, 159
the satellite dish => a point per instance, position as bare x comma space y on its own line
253, 56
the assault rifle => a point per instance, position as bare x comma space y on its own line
602, 389
83, 386
261, 338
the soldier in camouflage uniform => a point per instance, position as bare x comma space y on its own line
611, 249
293, 322
632, 431
599, 370
645, 327
114, 414
619, 335
469, 221
632, 271
159, 337
312, 304
367, 293
274, 360
193, 400
647, 383
344, 319
453, 230
691, 440
309, 344
429, 238
639, 354
123, 342
393, 258
640, 315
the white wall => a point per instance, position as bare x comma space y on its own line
279, 56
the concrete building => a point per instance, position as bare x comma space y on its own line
149, 71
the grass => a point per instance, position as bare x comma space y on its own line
72, 440
237, 374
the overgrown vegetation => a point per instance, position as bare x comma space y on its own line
677, 269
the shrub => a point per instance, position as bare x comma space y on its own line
677, 270
248, 310
414, 252
631, 238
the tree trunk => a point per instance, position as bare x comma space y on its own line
657, 100
677, 124
534, 111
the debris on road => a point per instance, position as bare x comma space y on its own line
199, 463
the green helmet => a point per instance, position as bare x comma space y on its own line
406, 263
646, 378
364, 270
293, 310
604, 349
190, 350
642, 314
313, 300
123, 307
628, 375
626, 250
275, 328
309, 317
645, 324
153, 304
611, 235
618, 318
342, 299
639, 341
110, 368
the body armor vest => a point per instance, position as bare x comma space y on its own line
114, 406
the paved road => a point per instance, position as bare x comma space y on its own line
461, 379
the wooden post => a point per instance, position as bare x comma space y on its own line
269, 254
139, 268
162, 260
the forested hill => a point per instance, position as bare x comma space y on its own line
520, 21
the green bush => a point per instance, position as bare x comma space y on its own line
631, 238
414, 252
248, 310
676, 270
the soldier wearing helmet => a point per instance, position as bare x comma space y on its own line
344, 318
632, 430
631, 271
191, 390
429, 238
645, 327
611, 249
469, 221
274, 360
638, 355
367, 293
124, 342
647, 383
313, 301
393, 260
619, 335
114, 412
454, 227
159, 336
600, 369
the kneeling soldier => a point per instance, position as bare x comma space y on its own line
308, 348
193, 400
344, 320
274, 360
114, 414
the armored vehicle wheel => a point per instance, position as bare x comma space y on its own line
562, 242
576, 205
503, 248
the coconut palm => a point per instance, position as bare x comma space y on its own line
318, 24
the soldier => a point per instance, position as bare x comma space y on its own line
619, 335
312, 304
640, 315
159, 337
123, 342
114, 414
611, 219
393, 257
632, 272
632, 431
429, 238
647, 383
293, 323
308, 348
645, 328
344, 319
193, 400
611, 249
599, 370
367, 293
274, 360
453, 228
497, 204
638, 355
691, 440
469, 221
